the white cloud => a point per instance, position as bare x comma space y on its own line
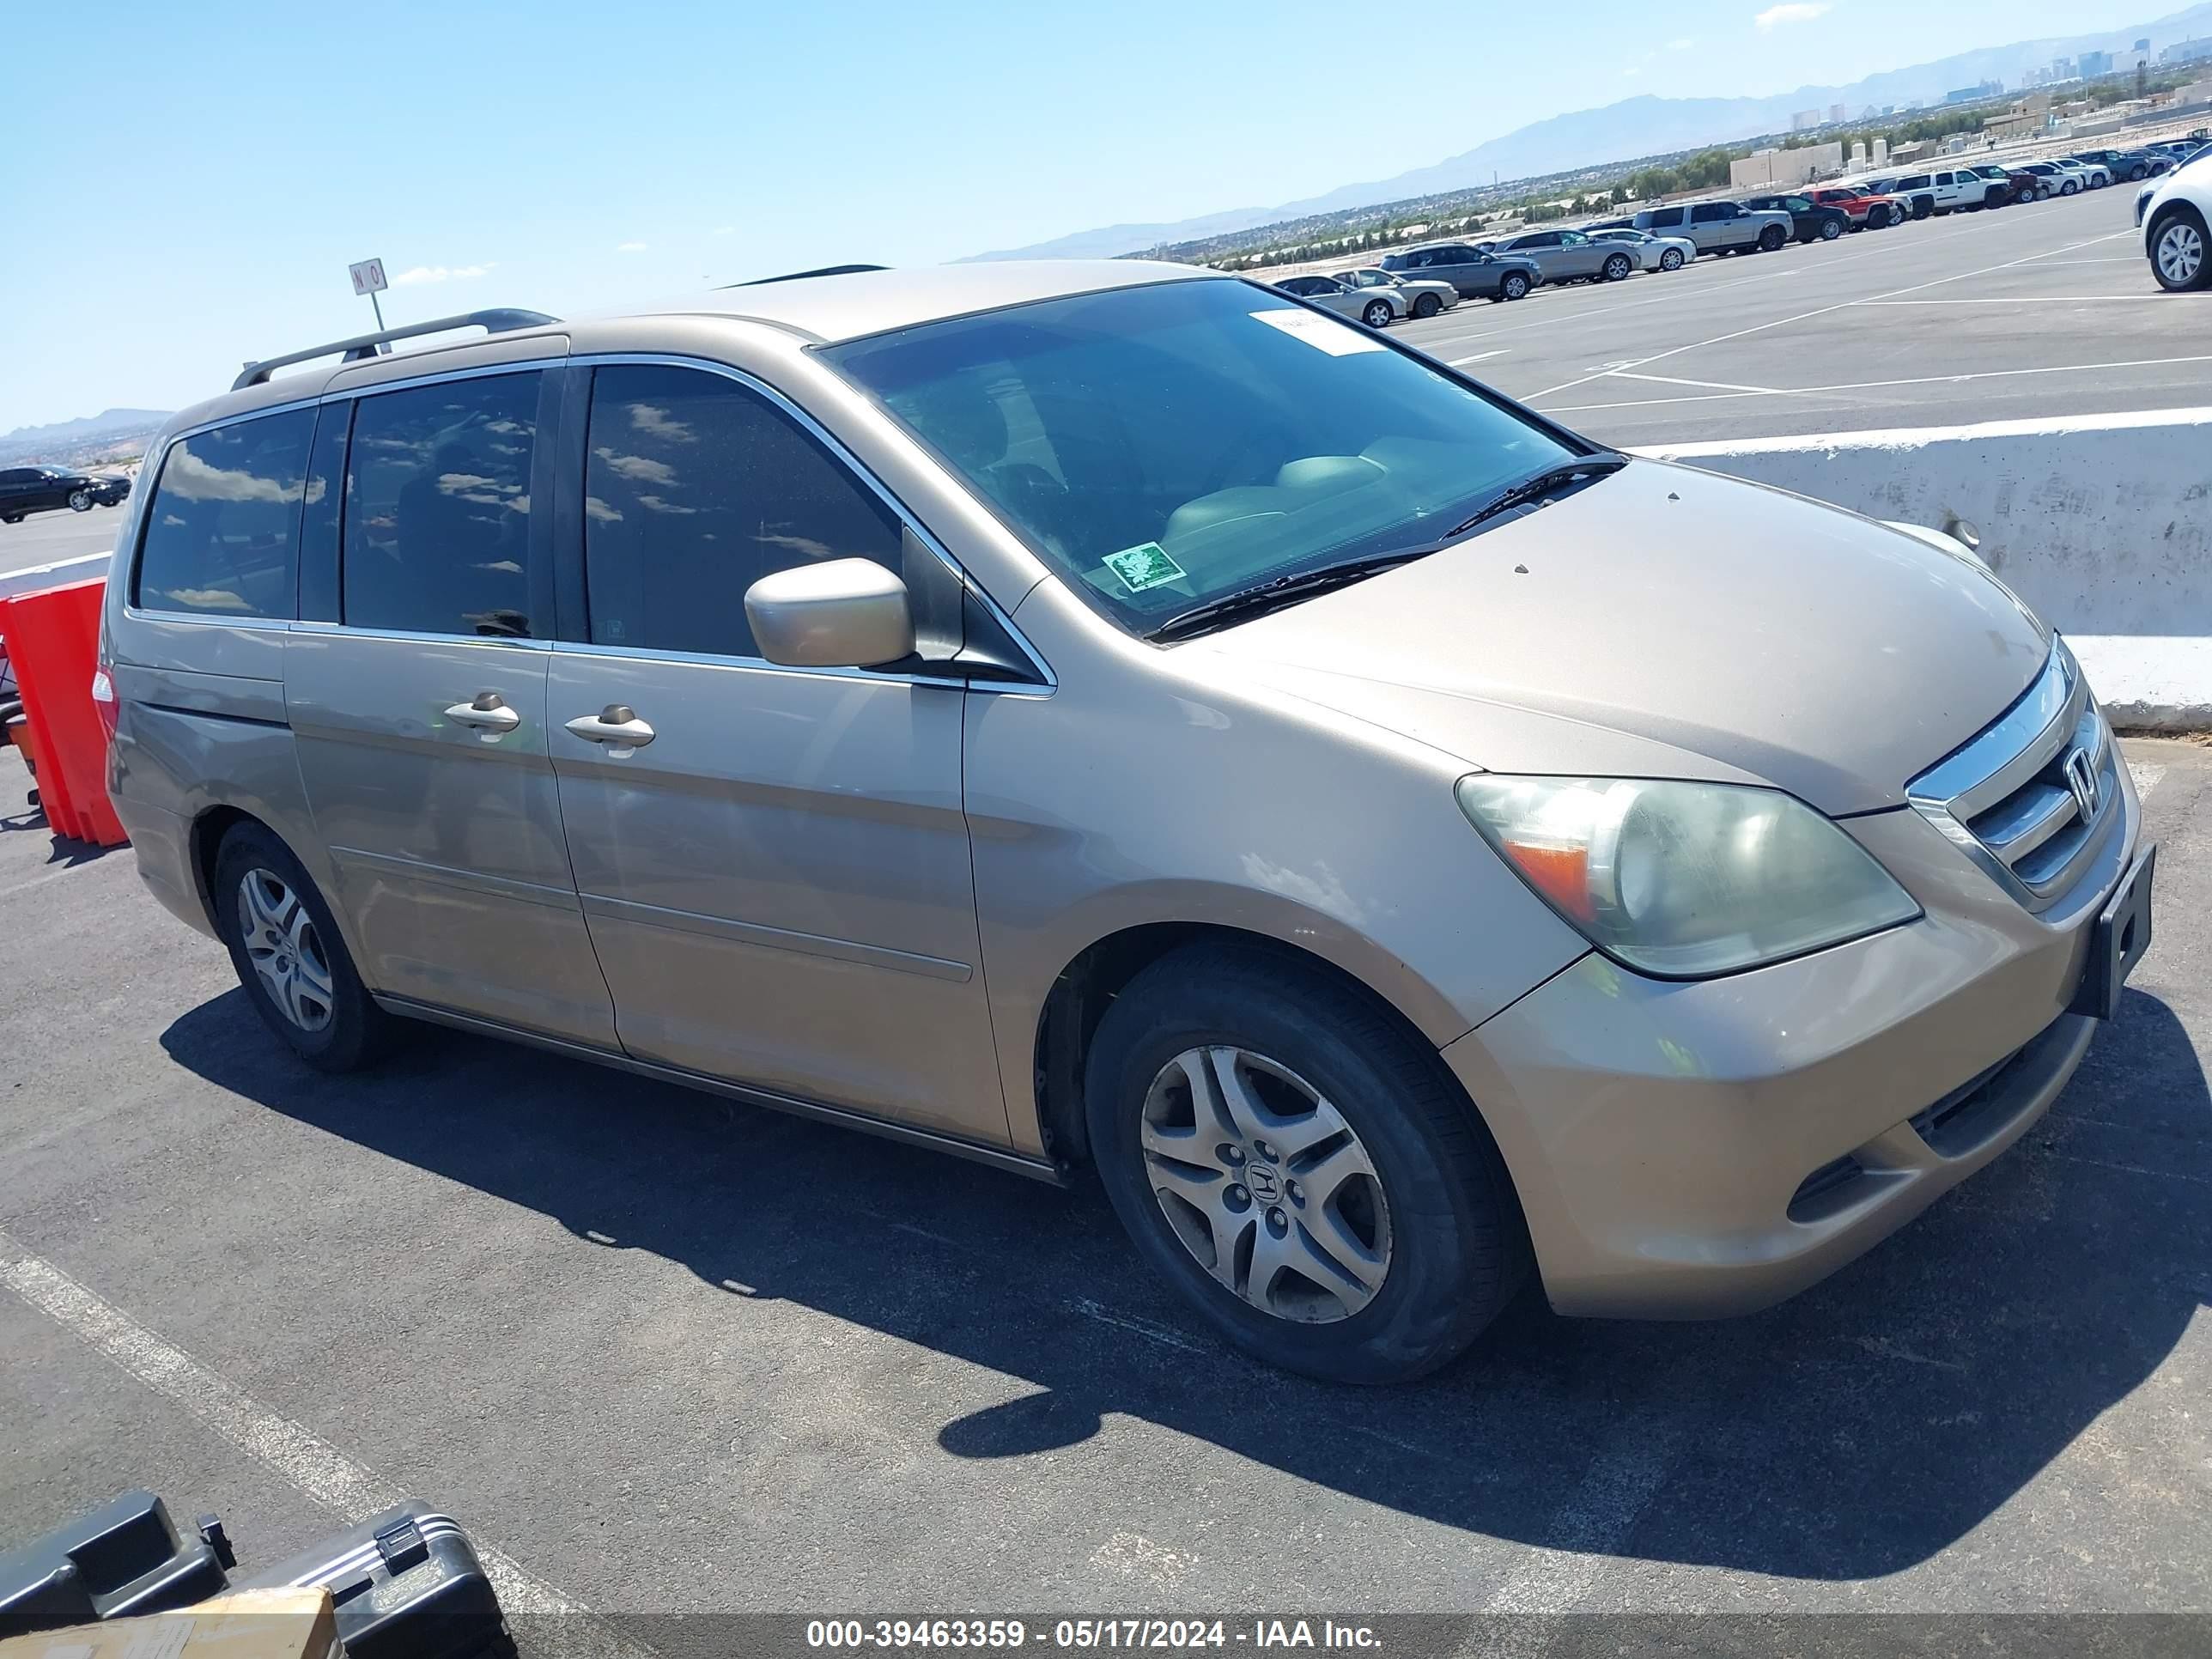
441, 274
1682, 45
1797, 11
629, 247
725, 230
1634, 70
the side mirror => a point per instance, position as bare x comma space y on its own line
844, 613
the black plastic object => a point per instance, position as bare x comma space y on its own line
123, 1558
404, 1582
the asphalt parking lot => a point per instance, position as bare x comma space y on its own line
667, 1353
2043, 308
49, 537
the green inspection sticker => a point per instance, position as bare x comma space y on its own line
1145, 565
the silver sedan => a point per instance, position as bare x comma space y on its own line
1653, 252
1424, 297
1377, 308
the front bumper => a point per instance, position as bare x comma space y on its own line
1680, 1149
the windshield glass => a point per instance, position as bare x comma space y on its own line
1160, 447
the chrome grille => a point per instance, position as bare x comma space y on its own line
2029, 797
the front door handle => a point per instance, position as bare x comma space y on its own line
489, 713
615, 725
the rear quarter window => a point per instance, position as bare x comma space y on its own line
223, 529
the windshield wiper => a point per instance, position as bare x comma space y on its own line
1263, 597
1548, 482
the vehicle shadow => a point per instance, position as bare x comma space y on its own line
1852, 1432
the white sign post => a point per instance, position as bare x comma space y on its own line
368, 279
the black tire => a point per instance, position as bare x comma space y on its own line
1670, 259
1458, 1248
1771, 239
80, 500
11, 518
1618, 267
357, 1031
1514, 285
2183, 219
1377, 314
1830, 230
1427, 305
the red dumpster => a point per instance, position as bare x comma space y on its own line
53, 644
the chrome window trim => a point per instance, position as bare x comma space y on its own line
432, 377
352, 631
1050, 682
2055, 715
209, 619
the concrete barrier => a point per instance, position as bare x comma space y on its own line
2102, 522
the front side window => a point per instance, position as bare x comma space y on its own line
222, 530
695, 488
437, 536
1163, 445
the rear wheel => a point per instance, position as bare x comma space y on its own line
2178, 251
290, 957
1830, 230
1427, 306
1771, 238
1515, 286
1377, 314
1671, 259
1617, 267
2071, 187
1299, 1168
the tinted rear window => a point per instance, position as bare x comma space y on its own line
222, 530
437, 508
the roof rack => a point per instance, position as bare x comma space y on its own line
794, 275
362, 347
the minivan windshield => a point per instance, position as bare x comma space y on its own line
1164, 446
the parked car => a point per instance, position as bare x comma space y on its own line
2132, 165
2174, 214
1654, 252
1424, 297
1476, 275
1946, 190
2052, 179
1568, 256
1718, 227
1866, 209
1696, 953
1377, 307
2097, 173
27, 490
2004, 186
1814, 222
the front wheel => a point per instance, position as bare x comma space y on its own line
1617, 267
1515, 287
2177, 251
80, 500
1377, 314
1671, 259
286, 948
1302, 1171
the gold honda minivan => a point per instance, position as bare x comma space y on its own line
1112, 714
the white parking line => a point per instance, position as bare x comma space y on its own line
2145, 774
309, 1463
1823, 311
2024, 300
1866, 385
1479, 357
1590, 1525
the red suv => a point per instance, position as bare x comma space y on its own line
1868, 211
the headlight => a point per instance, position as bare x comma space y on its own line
1681, 879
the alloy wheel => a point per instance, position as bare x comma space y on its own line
2180, 252
1266, 1184
281, 942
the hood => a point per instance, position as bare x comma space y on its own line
1665, 620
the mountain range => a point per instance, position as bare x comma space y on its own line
82, 441
1643, 125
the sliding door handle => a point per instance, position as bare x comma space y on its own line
616, 726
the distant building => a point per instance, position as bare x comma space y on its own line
2062, 68
1767, 168
2094, 64
1974, 94
1836, 113
2143, 44
2188, 51
1805, 120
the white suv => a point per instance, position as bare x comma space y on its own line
1946, 192
2174, 213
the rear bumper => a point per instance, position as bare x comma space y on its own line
1693, 1150
161, 841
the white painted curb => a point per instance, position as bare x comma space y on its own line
2102, 522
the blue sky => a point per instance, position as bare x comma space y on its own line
198, 178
